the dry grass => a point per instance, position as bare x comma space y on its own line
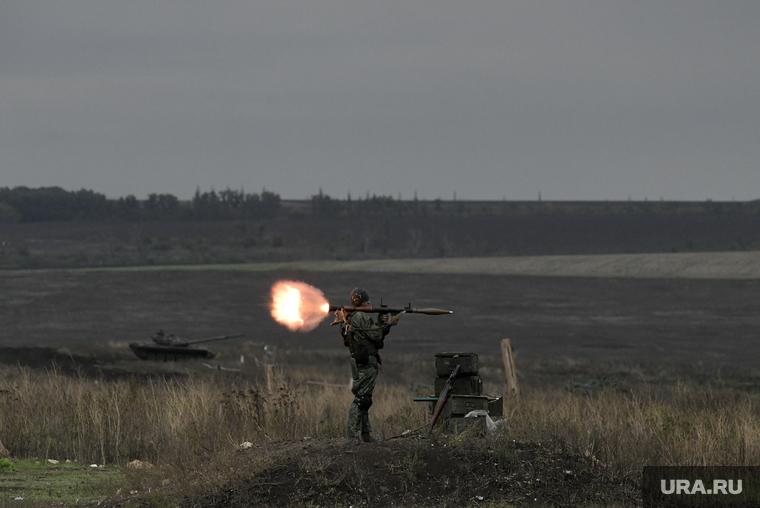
173, 420
198, 423
626, 431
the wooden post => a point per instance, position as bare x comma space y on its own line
271, 381
509, 367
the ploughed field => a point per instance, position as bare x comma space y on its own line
598, 319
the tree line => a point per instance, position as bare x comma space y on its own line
22, 204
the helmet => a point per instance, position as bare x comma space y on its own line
359, 296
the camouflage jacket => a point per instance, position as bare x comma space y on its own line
365, 331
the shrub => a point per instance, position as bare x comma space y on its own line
7, 466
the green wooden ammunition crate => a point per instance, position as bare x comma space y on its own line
446, 362
460, 405
467, 385
461, 424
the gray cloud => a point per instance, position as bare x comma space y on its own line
580, 100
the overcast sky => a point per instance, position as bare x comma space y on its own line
486, 99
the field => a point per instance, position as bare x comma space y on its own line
583, 317
684, 324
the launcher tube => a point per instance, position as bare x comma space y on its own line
389, 310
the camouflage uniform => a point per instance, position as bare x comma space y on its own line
367, 338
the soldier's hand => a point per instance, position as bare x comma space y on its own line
382, 319
341, 314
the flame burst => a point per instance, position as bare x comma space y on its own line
298, 306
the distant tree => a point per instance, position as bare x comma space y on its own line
324, 207
379, 206
91, 205
162, 206
128, 208
206, 206
270, 204
232, 204
231, 199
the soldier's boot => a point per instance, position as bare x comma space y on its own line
354, 427
367, 429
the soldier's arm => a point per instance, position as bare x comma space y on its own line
365, 327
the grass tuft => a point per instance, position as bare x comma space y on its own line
7, 466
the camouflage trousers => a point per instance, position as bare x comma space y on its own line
364, 383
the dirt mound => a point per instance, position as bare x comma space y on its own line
447, 471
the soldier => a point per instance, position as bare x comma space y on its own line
364, 338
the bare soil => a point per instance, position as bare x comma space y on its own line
667, 321
417, 472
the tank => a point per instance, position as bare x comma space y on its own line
172, 348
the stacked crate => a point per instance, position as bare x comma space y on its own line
466, 389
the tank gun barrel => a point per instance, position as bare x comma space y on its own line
214, 339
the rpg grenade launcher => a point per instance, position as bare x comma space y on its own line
389, 316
